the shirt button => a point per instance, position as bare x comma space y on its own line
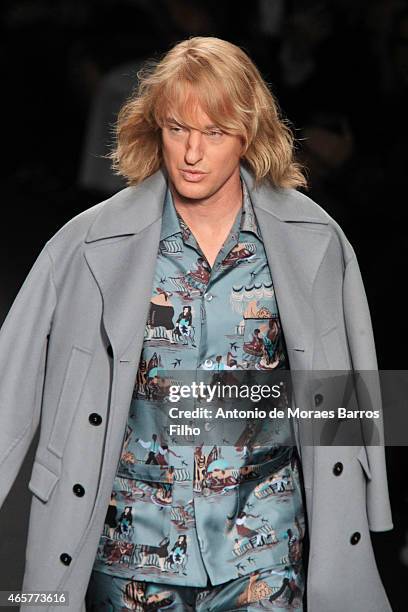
355, 537
208, 296
338, 468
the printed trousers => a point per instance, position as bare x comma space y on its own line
274, 590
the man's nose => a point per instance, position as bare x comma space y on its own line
194, 147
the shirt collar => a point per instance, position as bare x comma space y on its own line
170, 219
248, 218
172, 222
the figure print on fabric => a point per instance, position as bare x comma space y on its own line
274, 590
135, 598
182, 511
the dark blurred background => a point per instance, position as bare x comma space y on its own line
339, 70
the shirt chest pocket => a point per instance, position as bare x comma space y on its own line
262, 346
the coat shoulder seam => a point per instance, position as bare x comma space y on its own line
52, 273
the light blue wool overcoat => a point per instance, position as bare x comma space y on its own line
69, 351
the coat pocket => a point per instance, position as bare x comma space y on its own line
363, 459
74, 379
42, 481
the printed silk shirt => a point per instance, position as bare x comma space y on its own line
183, 514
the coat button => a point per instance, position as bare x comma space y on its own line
337, 468
95, 418
318, 399
65, 558
78, 490
355, 538
109, 350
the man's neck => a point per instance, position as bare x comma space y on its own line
214, 215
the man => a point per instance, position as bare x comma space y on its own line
212, 221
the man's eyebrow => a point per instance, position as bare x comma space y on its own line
173, 120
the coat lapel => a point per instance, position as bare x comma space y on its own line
121, 252
294, 252
122, 244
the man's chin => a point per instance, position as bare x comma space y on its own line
191, 191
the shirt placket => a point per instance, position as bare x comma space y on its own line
212, 298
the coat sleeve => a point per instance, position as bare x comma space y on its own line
23, 351
364, 360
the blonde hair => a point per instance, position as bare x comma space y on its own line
227, 85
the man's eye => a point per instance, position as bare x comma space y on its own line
214, 133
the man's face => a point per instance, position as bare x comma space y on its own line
210, 154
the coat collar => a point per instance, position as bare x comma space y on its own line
127, 212
122, 243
